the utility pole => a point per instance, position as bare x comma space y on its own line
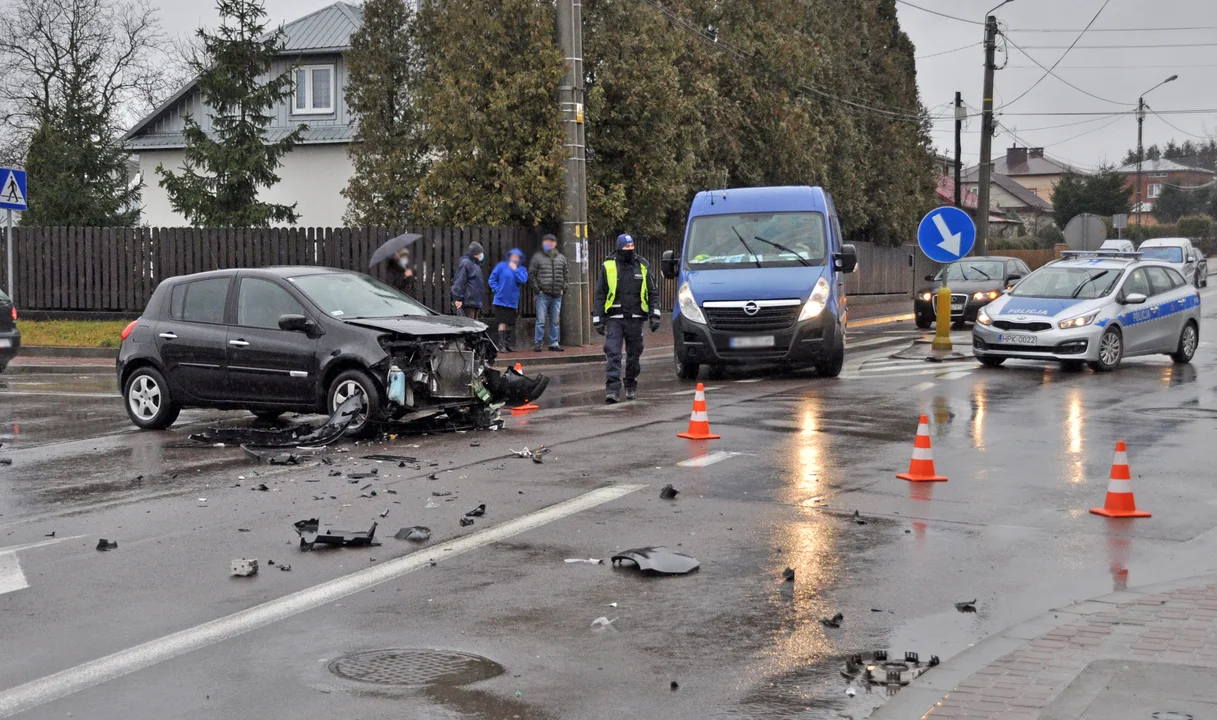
1140, 156
576, 305
986, 141
959, 113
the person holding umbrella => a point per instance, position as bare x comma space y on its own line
397, 253
505, 281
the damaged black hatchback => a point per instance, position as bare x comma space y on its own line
305, 339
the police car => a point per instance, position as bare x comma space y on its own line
1093, 307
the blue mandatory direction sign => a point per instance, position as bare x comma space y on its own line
12, 191
946, 234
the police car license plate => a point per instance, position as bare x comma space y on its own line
1016, 339
750, 343
957, 307
5, 342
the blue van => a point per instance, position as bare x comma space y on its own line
762, 281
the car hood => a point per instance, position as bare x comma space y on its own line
422, 326
781, 283
1010, 306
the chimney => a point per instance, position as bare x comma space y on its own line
1016, 155
1037, 152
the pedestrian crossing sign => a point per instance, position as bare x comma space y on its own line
12, 192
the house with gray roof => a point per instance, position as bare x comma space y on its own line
318, 169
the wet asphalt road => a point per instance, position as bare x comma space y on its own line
167, 633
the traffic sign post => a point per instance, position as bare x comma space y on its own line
945, 235
12, 197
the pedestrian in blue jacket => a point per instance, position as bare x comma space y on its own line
505, 281
468, 292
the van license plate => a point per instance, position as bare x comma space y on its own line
749, 343
1016, 339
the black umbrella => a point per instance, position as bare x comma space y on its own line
390, 248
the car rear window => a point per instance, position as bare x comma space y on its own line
200, 301
3, 297
1169, 254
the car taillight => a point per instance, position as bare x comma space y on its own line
14, 312
127, 330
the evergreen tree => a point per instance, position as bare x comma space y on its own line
388, 151
1104, 194
488, 102
223, 171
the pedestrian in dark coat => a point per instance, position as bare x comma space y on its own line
549, 278
627, 295
402, 273
468, 284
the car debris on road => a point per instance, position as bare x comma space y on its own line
585, 561
833, 622
418, 533
478, 511
657, 561
668, 493
242, 567
105, 545
311, 535
966, 606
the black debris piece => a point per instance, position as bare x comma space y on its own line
242, 529
325, 461
365, 487
335, 473
50, 534
675, 686
475, 444
880, 656
261, 488
6, 461
788, 575
934, 661
392, 458
315, 480
285, 567
433, 476
364, 475
538, 455
253, 439
418, 533
284, 459
966, 606
466, 521
310, 536
875, 610
385, 514
832, 622
391, 492
105, 544
668, 493
440, 494
478, 511
657, 561
858, 519
912, 657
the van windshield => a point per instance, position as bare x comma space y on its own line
1169, 253
787, 239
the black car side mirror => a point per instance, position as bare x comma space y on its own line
296, 323
1014, 277
667, 266
929, 278
847, 260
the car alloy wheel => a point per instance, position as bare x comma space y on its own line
1189, 340
145, 397
345, 391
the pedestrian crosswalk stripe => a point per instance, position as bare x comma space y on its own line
708, 459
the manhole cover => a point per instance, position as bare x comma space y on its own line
415, 667
1183, 413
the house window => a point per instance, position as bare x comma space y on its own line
1155, 189
1157, 176
314, 90
1034, 191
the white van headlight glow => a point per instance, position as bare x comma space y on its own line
817, 302
688, 305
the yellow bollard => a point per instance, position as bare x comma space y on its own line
942, 329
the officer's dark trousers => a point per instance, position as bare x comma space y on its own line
618, 332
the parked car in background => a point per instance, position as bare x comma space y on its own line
1118, 246
1180, 254
305, 339
10, 336
1092, 307
974, 282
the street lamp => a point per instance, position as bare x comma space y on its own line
1140, 149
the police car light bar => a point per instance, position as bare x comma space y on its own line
1111, 254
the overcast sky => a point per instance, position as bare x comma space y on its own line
1117, 73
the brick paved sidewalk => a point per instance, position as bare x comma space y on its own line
1016, 674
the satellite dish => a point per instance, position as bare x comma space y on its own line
1085, 232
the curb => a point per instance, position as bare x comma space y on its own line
68, 352
880, 320
924, 693
57, 369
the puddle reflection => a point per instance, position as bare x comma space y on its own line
979, 405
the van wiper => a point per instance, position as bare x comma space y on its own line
755, 258
783, 248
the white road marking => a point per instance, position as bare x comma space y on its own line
694, 390
922, 387
750, 380
708, 459
124, 662
956, 375
849, 345
12, 577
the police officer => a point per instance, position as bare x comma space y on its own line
626, 296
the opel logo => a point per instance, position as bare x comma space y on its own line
751, 308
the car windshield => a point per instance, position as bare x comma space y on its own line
757, 240
1169, 254
1062, 282
972, 270
3, 297
350, 295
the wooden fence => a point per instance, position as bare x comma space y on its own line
115, 270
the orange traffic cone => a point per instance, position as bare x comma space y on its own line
921, 468
528, 406
1120, 503
699, 421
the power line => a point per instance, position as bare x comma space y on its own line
1048, 71
1176, 127
1095, 30
947, 52
939, 14
1122, 47
1112, 67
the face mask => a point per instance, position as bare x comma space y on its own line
550, 247
404, 263
478, 257
627, 255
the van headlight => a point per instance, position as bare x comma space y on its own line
817, 302
688, 305
983, 318
1077, 322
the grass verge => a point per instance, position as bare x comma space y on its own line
71, 333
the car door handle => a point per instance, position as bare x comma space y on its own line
238, 343
169, 335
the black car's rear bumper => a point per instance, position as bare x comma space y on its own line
10, 344
803, 344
